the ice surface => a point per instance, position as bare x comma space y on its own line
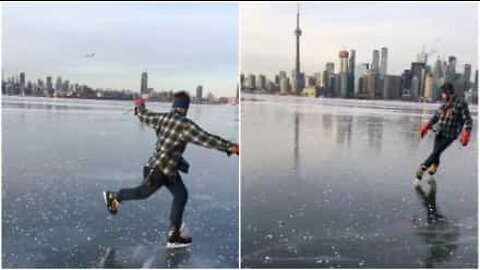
328, 183
58, 156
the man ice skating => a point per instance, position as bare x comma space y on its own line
174, 130
447, 123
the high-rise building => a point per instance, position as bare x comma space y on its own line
450, 69
428, 88
418, 73
360, 70
22, 83
199, 94
343, 74
368, 86
438, 76
251, 81
467, 74
351, 75
298, 33
284, 85
58, 84
475, 89
337, 85
392, 87
375, 61
343, 61
384, 61
309, 81
406, 84
328, 79
438, 71
66, 85
423, 56
351, 61
29, 89
414, 92
277, 79
49, 86
260, 82
318, 78
330, 67
144, 83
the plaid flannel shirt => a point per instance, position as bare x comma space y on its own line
174, 131
449, 120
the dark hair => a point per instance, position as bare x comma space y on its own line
181, 95
181, 100
447, 88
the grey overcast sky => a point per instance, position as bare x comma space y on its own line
268, 42
179, 45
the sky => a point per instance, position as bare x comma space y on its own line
179, 45
268, 41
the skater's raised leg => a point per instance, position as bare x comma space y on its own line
152, 181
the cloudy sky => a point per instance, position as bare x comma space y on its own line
268, 42
179, 45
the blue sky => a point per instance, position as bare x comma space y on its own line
268, 42
179, 45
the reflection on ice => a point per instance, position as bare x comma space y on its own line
328, 183
439, 234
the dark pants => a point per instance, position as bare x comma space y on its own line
439, 145
155, 182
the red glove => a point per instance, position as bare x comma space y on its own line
424, 129
464, 137
234, 149
138, 101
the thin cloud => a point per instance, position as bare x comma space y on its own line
268, 42
178, 44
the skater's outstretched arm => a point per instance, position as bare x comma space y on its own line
152, 119
467, 125
195, 134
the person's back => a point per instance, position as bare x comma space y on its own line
174, 130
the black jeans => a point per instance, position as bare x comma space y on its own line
439, 145
156, 181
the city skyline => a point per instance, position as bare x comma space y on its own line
329, 28
110, 45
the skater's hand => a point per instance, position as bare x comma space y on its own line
234, 149
424, 129
464, 138
138, 101
139, 104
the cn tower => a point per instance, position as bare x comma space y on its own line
298, 33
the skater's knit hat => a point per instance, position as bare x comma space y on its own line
181, 100
447, 88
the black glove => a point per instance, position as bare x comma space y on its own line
139, 108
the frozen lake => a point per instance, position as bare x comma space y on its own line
58, 156
328, 183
